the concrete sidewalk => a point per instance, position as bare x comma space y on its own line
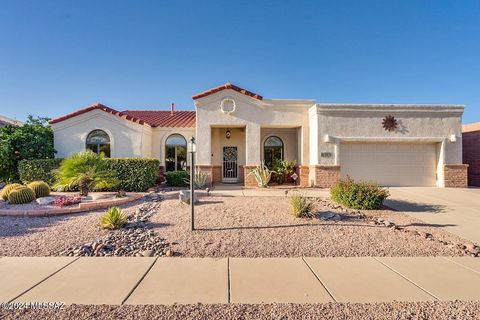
129, 280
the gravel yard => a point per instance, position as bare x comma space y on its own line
236, 227
396, 310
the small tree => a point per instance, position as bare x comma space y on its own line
85, 170
33, 140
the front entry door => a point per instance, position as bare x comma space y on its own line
230, 167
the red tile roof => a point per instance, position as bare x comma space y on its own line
225, 86
162, 118
153, 118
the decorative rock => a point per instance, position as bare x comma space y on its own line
184, 196
147, 253
45, 200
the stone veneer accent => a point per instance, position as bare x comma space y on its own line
303, 172
214, 173
249, 179
456, 175
326, 175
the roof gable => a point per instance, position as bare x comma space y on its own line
226, 86
152, 118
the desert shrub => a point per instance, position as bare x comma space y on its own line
21, 195
32, 140
38, 170
65, 201
302, 207
85, 170
40, 188
133, 174
8, 188
114, 218
262, 175
358, 195
199, 180
177, 178
282, 169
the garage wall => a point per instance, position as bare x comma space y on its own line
364, 122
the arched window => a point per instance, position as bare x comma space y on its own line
99, 141
175, 153
272, 149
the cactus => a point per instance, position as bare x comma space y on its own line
21, 195
40, 188
8, 188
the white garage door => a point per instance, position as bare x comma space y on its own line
392, 164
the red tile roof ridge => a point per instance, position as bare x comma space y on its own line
225, 86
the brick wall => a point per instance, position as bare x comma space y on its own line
471, 156
249, 179
303, 172
326, 175
456, 175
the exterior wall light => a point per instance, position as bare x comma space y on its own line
228, 134
453, 138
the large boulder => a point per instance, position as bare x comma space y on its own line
184, 196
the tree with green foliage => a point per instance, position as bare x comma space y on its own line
86, 171
33, 140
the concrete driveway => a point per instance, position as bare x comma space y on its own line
456, 210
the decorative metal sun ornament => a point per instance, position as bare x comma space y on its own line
389, 123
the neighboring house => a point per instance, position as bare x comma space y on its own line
471, 152
235, 130
6, 120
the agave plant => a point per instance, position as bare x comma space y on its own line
262, 175
85, 170
114, 218
199, 180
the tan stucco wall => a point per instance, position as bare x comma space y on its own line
159, 137
219, 141
128, 139
253, 115
289, 138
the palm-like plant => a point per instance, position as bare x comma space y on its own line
85, 170
262, 175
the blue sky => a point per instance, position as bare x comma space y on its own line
59, 56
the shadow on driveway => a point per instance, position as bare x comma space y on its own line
402, 205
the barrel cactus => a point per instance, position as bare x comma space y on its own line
40, 188
21, 195
8, 188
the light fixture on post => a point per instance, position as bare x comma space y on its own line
192, 148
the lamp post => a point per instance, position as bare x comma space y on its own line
192, 148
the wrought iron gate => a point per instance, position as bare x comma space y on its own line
230, 167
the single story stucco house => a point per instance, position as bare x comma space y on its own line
6, 120
235, 130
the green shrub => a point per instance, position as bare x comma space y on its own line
9, 188
85, 170
262, 175
133, 174
32, 140
114, 218
282, 169
177, 178
21, 195
38, 170
40, 188
358, 195
302, 207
